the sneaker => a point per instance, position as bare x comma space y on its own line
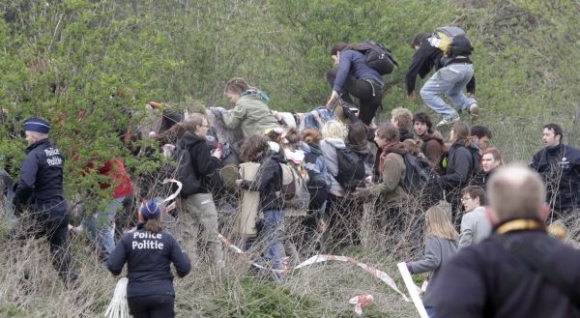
446, 121
474, 110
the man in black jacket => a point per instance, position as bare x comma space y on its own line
39, 191
492, 279
453, 74
559, 166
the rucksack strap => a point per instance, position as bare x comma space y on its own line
534, 257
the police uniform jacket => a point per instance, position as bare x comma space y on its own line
148, 257
41, 176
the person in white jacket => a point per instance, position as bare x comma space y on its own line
475, 225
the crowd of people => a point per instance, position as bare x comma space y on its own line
346, 164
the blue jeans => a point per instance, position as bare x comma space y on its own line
273, 222
450, 81
430, 311
99, 226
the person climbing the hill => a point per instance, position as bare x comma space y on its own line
250, 113
452, 75
354, 77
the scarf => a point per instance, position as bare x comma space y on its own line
385, 151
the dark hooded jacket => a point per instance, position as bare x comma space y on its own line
267, 181
462, 165
203, 163
425, 59
559, 166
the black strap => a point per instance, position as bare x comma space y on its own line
535, 258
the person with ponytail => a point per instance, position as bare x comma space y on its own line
148, 252
250, 113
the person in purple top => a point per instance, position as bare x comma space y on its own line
354, 77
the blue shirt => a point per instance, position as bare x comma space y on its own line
355, 60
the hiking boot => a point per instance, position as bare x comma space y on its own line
474, 111
449, 121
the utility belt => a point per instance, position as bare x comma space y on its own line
375, 86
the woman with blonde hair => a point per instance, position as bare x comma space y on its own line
440, 246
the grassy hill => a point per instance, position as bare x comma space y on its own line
64, 56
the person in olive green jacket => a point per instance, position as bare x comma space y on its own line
391, 197
391, 166
250, 112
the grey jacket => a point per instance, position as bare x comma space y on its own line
328, 147
475, 227
438, 251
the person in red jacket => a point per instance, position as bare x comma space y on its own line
98, 222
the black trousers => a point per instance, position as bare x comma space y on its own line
153, 306
50, 221
370, 96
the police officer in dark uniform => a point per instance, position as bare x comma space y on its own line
148, 252
39, 192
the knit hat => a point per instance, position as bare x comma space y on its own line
151, 210
38, 125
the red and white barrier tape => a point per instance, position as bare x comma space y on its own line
318, 259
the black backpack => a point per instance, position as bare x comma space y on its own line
377, 56
421, 180
351, 169
415, 175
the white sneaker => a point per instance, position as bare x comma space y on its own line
474, 111
448, 121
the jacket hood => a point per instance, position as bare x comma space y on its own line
336, 142
435, 135
189, 139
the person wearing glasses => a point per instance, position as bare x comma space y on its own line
198, 207
475, 226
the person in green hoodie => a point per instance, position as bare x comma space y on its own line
250, 113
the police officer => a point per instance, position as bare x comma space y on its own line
39, 191
148, 252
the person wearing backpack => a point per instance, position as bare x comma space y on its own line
267, 182
346, 172
197, 204
519, 271
354, 77
454, 71
462, 165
